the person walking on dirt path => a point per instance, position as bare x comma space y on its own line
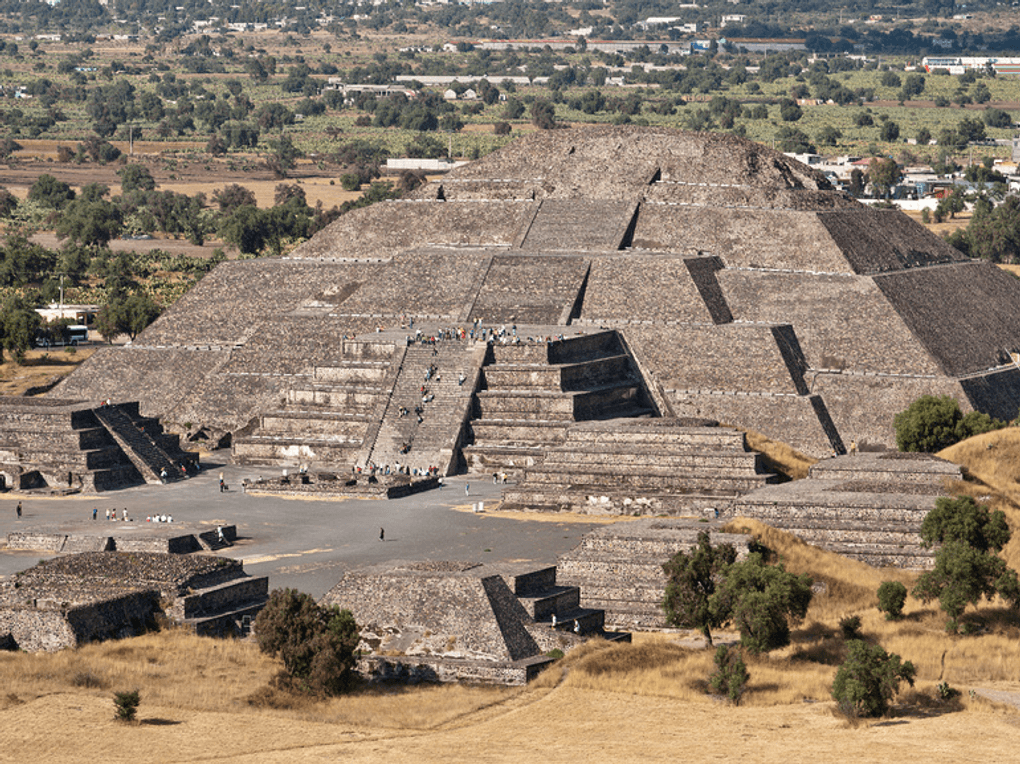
18, 510
382, 534
467, 489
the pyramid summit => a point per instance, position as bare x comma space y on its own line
655, 272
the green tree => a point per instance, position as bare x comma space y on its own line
730, 676
760, 600
829, 136
90, 222
868, 679
966, 569
126, 313
932, 423
892, 596
127, 705
317, 645
884, 173
136, 177
794, 141
18, 323
50, 192
543, 114
889, 131
691, 582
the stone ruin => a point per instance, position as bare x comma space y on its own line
724, 281
72, 446
463, 621
92, 596
868, 506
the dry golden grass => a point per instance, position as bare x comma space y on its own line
38, 368
992, 462
644, 701
780, 457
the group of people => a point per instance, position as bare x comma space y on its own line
372, 470
159, 519
111, 514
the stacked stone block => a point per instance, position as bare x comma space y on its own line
79, 598
640, 467
618, 568
455, 621
533, 391
868, 506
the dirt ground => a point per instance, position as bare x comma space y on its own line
182, 173
562, 724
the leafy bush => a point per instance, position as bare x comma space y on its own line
932, 423
850, 627
318, 645
892, 595
966, 568
730, 676
127, 705
868, 680
707, 588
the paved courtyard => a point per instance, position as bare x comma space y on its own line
304, 544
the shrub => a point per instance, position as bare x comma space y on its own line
868, 680
932, 423
850, 627
892, 595
730, 676
127, 705
966, 567
317, 645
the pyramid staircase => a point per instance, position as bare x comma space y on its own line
71, 445
434, 441
532, 393
155, 455
328, 421
559, 606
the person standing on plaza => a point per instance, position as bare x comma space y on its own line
18, 510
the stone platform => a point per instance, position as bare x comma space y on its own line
134, 536
618, 567
92, 596
330, 485
463, 621
868, 507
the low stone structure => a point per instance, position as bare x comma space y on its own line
640, 467
618, 567
329, 485
868, 507
462, 621
79, 598
137, 537
76, 446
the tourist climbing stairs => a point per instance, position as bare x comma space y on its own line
435, 385
154, 464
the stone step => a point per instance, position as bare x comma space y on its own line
533, 581
570, 473
839, 510
228, 623
558, 600
580, 620
212, 601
